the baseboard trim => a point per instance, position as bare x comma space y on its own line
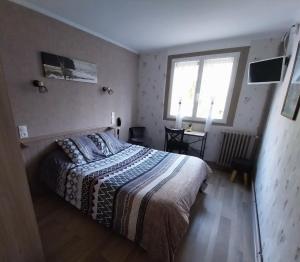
256, 229
215, 165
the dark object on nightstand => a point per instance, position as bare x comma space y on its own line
244, 166
137, 135
174, 140
119, 122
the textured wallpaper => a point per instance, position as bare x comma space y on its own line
152, 78
278, 183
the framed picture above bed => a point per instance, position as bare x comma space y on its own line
61, 67
292, 99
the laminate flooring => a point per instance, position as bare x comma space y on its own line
220, 229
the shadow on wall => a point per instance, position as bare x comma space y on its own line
278, 180
152, 79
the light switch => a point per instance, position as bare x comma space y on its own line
113, 118
23, 132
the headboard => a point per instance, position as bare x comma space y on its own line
34, 149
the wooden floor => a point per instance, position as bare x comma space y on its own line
220, 230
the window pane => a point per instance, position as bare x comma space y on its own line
184, 82
215, 85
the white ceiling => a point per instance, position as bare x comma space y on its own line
143, 25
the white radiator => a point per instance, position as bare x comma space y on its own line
235, 144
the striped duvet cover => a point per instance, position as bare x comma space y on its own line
141, 193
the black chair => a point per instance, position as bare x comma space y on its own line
174, 140
137, 135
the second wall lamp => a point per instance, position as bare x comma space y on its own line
40, 85
107, 90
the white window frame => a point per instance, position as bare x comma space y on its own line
201, 59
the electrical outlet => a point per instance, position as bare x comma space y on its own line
113, 118
23, 132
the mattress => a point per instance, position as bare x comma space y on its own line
142, 194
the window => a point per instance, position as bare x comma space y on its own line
195, 82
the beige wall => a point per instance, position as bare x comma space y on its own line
19, 236
278, 179
68, 105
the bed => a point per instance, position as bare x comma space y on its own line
142, 194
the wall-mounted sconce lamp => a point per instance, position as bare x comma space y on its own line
108, 90
40, 85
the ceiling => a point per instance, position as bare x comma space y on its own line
143, 25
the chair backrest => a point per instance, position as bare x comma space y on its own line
137, 132
173, 135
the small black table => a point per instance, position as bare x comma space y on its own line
199, 137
